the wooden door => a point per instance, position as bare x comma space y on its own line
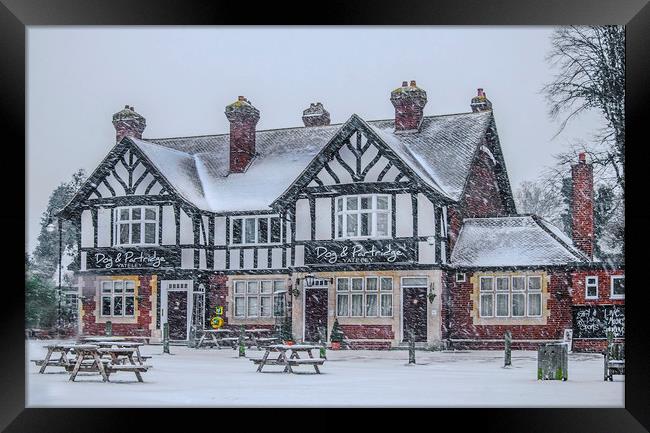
177, 314
415, 312
315, 314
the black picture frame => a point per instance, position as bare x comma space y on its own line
16, 15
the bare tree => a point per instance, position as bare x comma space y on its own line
591, 63
540, 199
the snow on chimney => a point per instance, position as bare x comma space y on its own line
582, 213
128, 123
242, 117
480, 102
409, 102
316, 115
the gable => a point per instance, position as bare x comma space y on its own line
356, 154
358, 159
128, 174
125, 171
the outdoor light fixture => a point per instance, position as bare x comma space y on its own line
309, 279
432, 295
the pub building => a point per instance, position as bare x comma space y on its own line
361, 221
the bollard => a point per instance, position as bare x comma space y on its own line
242, 348
108, 330
552, 362
191, 342
322, 353
165, 337
411, 347
508, 354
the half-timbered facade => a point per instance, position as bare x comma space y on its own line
172, 228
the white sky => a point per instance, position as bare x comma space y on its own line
181, 78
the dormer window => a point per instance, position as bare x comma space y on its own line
363, 216
136, 225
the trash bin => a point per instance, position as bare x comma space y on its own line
553, 362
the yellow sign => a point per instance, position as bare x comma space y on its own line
219, 310
216, 322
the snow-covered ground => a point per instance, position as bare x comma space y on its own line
219, 378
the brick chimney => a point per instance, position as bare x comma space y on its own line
242, 117
316, 115
409, 101
128, 123
480, 102
582, 213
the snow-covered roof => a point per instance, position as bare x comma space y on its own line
197, 167
512, 241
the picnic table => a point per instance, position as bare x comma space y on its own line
89, 359
125, 344
63, 361
221, 337
290, 361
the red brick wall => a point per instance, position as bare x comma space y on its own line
363, 332
579, 281
215, 296
482, 197
89, 302
462, 326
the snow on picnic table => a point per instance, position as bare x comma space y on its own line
350, 378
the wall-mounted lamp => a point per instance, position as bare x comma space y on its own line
432, 295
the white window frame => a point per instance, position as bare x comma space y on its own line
486, 293
272, 295
526, 292
257, 218
117, 223
461, 277
373, 210
364, 292
112, 295
587, 286
611, 292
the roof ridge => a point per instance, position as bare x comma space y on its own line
569, 248
305, 127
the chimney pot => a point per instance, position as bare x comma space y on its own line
409, 105
582, 157
128, 124
316, 115
480, 102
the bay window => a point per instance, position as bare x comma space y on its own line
136, 225
362, 216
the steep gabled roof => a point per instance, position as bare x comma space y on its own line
513, 241
440, 153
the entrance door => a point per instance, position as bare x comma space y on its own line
414, 308
315, 314
177, 315
176, 306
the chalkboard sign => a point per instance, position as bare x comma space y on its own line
595, 321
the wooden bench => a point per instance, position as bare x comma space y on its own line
614, 362
137, 369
